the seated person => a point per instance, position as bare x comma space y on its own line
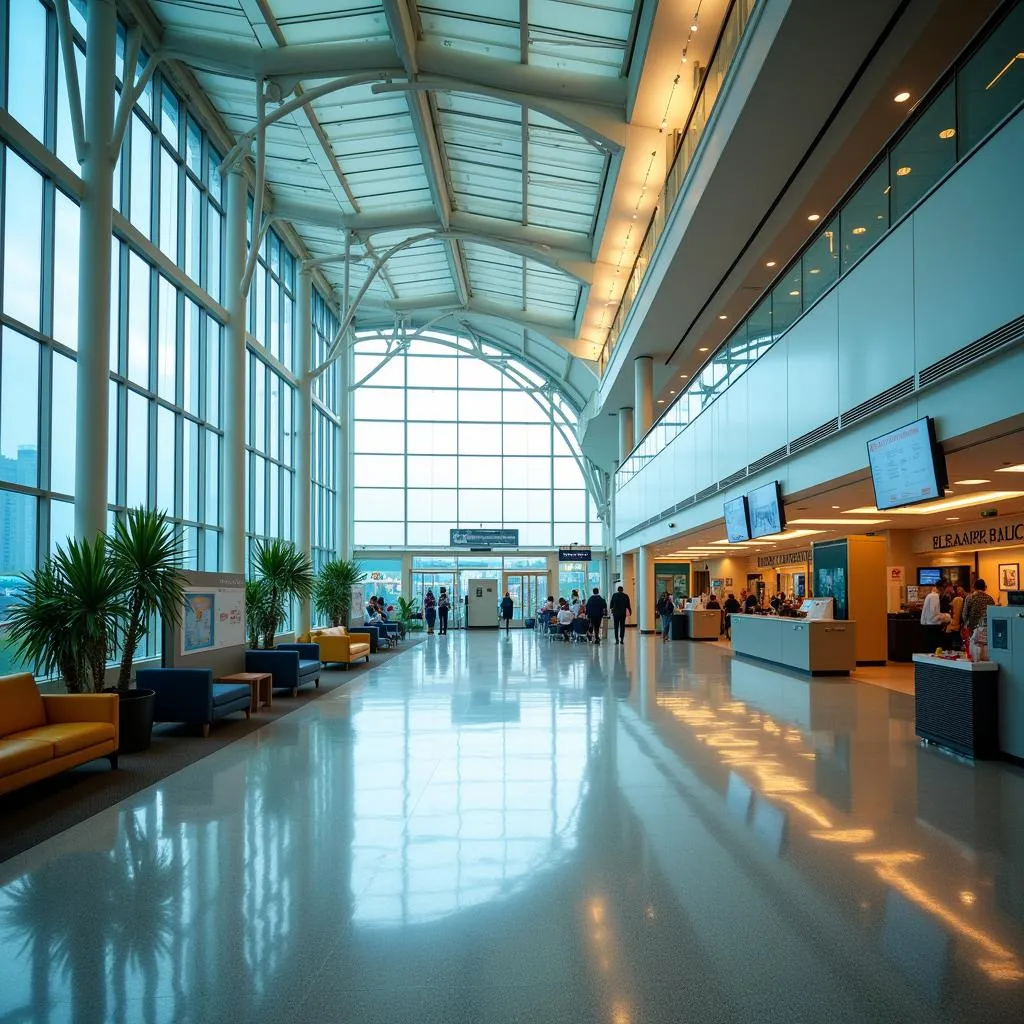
371, 616
565, 617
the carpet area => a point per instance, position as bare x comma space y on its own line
31, 815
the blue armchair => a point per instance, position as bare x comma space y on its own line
291, 665
190, 695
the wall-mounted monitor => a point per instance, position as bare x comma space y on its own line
765, 508
907, 465
737, 521
928, 577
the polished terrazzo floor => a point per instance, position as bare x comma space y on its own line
496, 829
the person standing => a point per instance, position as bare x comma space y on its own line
933, 618
731, 607
956, 612
621, 610
443, 607
975, 612
507, 607
430, 610
665, 607
597, 608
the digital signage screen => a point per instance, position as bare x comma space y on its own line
907, 466
765, 506
737, 522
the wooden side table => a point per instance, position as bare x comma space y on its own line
261, 684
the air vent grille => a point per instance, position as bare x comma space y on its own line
707, 492
767, 460
733, 478
1011, 333
814, 436
880, 401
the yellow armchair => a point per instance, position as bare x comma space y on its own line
339, 646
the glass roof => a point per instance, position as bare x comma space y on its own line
512, 195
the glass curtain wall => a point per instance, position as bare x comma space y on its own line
444, 438
324, 538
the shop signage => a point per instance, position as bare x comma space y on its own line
896, 577
980, 534
574, 555
483, 538
784, 558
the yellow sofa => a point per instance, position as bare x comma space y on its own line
337, 644
44, 735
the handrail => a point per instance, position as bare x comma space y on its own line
734, 24
761, 328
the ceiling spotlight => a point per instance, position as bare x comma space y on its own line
902, 172
835, 506
770, 263
703, 350
858, 231
795, 293
814, 270
812, 217
722, 316
901, 97
661, 401
693, 27
671, 392
683, 376
947, 133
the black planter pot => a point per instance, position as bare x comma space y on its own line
135, 729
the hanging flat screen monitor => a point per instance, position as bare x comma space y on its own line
928, 577
907, 466
737, 523
765, 506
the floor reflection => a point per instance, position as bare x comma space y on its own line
503, 828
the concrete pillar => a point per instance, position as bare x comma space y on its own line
643, 396
646, 599
625, 432
304, 426
235, 496
92, 417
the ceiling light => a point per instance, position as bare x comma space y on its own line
812, 217
901, 97
952, 519
770, 263
703, 350
836, 522
693, 27
837, 507
683, 376
902, 172
661, 401
790, 535
794, 293
815, 270
671, 392
947, 133
858, 231
943, 505
1019, 468
970, 483
722, 316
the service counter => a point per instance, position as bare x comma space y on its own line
815, 646
702, 624
956, 704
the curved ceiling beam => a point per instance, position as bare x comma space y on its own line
585, 127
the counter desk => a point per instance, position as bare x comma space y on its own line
815, 646
956, 704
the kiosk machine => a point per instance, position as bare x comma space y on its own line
1006, 648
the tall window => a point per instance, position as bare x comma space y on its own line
450, 434
326, 439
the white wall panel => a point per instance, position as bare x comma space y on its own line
812, 368
703, 462
768, 396
968, 251
876, 320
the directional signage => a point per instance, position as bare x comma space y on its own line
574, 555
483, 538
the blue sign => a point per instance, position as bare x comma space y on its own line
483, 538
574, 555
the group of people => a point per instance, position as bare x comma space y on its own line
563, 613
436, 609
948, 610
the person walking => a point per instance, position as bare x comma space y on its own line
665, 607
430, 610
597, 608
507, 607
443, 607
621, 610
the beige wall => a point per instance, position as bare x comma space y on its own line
988, 564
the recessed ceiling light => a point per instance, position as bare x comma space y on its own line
815, 270
952, 519
837, 507
943, 505
661, 401
901, 97
902, 172
683, 376
1019, 468
794, 293
970, 483
812, 217
671, 392
770, 263
858, 231
722, 316
947, 133
836, 522
703, 350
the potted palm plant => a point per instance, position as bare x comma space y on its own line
257, 610
67, 617
408, 614
332, 589
286, 572
146, 553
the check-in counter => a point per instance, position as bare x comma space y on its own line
703, 624
816, 646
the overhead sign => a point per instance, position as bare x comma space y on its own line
905, 466
984, 533
784, 558
483, 538
574, 555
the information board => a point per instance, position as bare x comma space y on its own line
766, 517
905, 469
214, 618
483, 538
574, 555
737, 524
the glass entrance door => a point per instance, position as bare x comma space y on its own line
527, 590
424, 581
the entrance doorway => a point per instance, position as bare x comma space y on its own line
527, 590
424, 581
